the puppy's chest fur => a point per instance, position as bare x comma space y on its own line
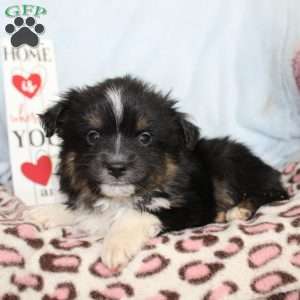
98, 221
107, 211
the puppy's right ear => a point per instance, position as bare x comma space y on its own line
52, 119
190, 132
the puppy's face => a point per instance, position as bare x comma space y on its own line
120, 138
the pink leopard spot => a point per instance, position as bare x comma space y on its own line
27, 280
59, 263
165, 295
195, 243
61, 293
214, 228
158, 297
152, 264
114, 293
261, 228
155, 241
27, 231
10, 257
296, 259
149, 266
262, 254
294, 239
102, 270
225, 289
270, 281
67, 244
192, 245
231, 248
198, 272
66, 262
293, 296
292, 212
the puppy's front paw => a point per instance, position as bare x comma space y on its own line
48, 216
238, 213
119, 249
127, 236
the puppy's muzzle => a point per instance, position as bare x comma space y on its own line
118, 165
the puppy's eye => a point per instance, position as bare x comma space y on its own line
145, 138
92, 137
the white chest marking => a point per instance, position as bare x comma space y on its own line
99, 221
117, 191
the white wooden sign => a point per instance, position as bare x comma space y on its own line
30, 86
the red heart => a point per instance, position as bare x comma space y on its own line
40, 172
27, 86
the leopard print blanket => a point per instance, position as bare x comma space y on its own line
257, 259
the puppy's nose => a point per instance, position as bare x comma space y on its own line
117, 169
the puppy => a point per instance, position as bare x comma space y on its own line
132, 167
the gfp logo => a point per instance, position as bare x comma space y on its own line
25, 30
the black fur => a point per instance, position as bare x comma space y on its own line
188, 171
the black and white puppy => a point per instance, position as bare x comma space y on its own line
132, 166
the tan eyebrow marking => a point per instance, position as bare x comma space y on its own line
142, 123
93, 119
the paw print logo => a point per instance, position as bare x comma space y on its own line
24, 33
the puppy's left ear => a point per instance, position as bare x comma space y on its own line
190, 132
51, 119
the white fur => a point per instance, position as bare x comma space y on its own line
117, 191
114, 95
49, 216
98, 222
158, 203
237, 213
94, 223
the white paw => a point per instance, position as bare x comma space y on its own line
49, 216
238, 213
127, 237
117, 251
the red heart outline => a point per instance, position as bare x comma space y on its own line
40, 172
21, 82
